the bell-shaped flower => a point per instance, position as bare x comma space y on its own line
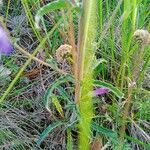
6, 47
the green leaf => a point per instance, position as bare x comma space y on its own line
55, 84
31, 2
138, 141
109, 86
104, 131
114, 136
69, 140
55, 5
99, 62
64, 94
99, 66
55, 101
45, 133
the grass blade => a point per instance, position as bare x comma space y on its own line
45, 133
69, 140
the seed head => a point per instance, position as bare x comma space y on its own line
63, 51
143, 36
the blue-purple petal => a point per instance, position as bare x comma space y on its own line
100, 91
5, 43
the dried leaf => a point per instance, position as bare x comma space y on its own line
97, 144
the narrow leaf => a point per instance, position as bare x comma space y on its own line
145, 145
59, 4
99, 62
69, 140
64, 94
104, 131
55, 101
45, 133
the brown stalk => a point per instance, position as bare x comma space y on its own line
75, 57
72, 42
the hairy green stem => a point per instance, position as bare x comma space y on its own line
86, 51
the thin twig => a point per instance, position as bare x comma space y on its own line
38, 60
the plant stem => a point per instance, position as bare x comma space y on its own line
73, 44
86, 52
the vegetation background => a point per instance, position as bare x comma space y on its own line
98, 44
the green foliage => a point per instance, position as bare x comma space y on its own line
27, 63
30, 18
55, 5
106, 51
144, 145
107, 132
69, 140
98, 66
58, 106
47, 130
31, 2
55, 85
144, 110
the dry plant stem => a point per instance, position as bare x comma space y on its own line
135, 75
72, 43
74, 54
78, 75
79, 56
38, 60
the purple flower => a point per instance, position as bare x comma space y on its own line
100, 91
5, 44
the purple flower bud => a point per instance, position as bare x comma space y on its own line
5, 44
100, 91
